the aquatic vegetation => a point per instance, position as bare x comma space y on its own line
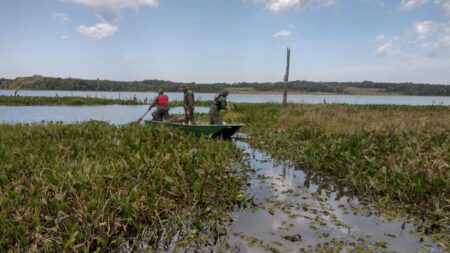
397, 156
94, 186
30, 100
22, 100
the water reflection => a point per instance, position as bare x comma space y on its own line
299, 203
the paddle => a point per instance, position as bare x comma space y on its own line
141, 118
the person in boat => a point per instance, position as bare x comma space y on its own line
188, 106
219, 103
162, 107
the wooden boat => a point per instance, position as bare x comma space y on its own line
213, 131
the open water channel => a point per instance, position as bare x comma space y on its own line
295, 210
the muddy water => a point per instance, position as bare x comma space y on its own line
292, 213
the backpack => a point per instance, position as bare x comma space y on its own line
163, 100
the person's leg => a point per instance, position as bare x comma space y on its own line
186, 116
164, 114
155, 116
215, 118
191, 119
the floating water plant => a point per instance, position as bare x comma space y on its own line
396, 156
95, 186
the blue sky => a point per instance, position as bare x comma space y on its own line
227, 40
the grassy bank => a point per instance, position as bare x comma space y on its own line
398, 156
95, 186
30, 101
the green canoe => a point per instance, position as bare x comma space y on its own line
214, 131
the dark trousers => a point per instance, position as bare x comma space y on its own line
161, 114
189, 116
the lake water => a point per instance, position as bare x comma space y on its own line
253, 98
114, 114
123, 114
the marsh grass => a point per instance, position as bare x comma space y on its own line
398, 156
99, 187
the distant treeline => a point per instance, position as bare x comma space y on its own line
50, 83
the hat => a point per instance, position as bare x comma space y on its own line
160, 91
224, 93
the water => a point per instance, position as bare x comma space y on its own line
290, 202
113, 114
252, 98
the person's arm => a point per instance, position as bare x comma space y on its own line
155, 102
223, 103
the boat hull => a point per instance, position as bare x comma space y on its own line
213, 131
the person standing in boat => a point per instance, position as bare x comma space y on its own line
219, 103
162, 107
188, 106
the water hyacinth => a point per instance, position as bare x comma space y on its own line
397, 156
95, 186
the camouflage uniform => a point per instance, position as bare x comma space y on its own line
188, 106
219, 103
162, 112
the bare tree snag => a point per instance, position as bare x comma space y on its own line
286, 77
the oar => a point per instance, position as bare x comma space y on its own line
141, 118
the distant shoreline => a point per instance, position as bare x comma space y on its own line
233, 91
302, 87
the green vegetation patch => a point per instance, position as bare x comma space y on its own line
399, 156
34, 100
100, 187
19, 100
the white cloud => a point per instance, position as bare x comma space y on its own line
445, 6
278, 6
379, 38
64, 37
282, 33
110, 10
386, 49
99, 31
422, 30
443, 41
63, 18
283, 5
431, 35
327, 3
411, 4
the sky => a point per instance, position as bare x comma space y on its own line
227, 40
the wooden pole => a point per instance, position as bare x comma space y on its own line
286, 77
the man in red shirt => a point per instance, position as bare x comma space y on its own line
162, 107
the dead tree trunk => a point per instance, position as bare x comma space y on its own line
286, 77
